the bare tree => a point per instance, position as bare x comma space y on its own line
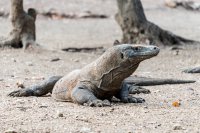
137, 29
23, 27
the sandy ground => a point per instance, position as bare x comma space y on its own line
41, 114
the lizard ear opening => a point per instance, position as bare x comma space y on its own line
122, 55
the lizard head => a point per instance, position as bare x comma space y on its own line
137, 53
119, 62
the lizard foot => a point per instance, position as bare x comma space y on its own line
98, 103
19, 93
137, 90
131, 99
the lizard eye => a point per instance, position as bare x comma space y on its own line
122, 55
136, 48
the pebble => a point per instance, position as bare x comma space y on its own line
114, 124
190, 89
178, 127
76, 60
29, 63
22, 108
19, 101
59, 114
177, 52
85, 130
145, 107
13, 59
43, 106
37, 78
112, 109
157, 125
55, 59
170, 3
20, 84
157, 91
10, 131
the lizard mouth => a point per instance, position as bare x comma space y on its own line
146, 54
140, 56
150, 53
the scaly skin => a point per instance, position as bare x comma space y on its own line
99, 81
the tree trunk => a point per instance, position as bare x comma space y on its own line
137, 29
23, 27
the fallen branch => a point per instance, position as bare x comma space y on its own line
187, 4
85, 49
55, 15
4, 14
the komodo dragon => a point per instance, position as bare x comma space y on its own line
96, 83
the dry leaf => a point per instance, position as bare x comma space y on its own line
176, 104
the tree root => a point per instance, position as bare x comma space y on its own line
137, 29
23, 27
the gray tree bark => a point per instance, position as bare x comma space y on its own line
137, 29
23, 27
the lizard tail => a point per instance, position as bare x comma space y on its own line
142, 81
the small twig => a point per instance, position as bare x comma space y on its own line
85, 49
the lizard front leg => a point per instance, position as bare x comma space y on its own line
124, 96
37, 90
82, 95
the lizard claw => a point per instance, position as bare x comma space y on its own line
137, 90
131, 99
98, 103
18, 93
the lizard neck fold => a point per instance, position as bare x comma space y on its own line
109, 70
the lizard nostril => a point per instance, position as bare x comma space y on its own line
155, 48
